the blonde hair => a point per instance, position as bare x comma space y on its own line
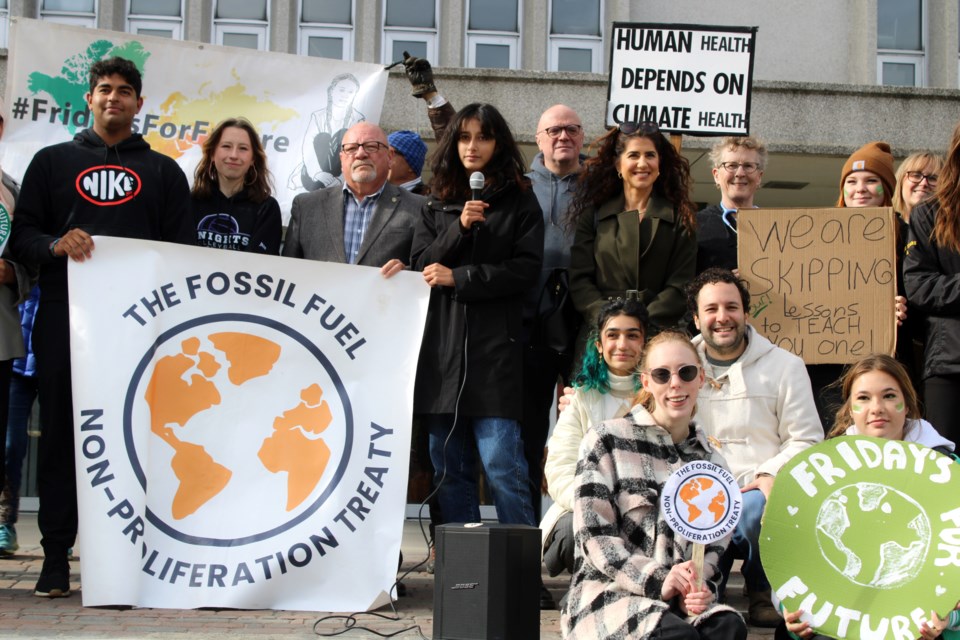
914, 162
644, 397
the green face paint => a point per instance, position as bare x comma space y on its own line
879, 189
848, 193
856, 408
899, 407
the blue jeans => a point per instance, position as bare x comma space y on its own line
498, 442
23, 391
745, 544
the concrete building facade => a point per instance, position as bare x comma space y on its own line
828, 76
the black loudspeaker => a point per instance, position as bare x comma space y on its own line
486, 582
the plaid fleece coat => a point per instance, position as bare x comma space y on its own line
624, 546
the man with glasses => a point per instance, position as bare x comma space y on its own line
756, 408
738, 165
366, 220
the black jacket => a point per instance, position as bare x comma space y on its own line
716, 242
237, 223
126, 190
493, 267
931, 276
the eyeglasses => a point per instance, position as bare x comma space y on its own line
916, 177
557, 131
748, 167
630, 128
687, 373
351, 148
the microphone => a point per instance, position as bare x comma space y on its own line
476, 186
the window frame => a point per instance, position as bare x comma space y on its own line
259, 28
346, 33
556, 42
5, 26
423, 34
512, 40
75, 18
148, 20
916, 58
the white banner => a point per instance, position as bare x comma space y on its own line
689, 79
300, 105
243, 426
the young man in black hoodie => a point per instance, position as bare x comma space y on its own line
106, 181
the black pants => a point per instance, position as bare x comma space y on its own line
941, 395
541, 370
6, 373
725, 625
56, 476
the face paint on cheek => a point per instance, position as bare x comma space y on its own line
856, 408
848, 193
879, 189
899, 407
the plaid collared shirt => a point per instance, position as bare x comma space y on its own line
356, 219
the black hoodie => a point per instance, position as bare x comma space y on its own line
126, 190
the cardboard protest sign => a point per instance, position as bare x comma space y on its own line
863, 535
686, 78
822, 281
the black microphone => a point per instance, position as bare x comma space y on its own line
476, 186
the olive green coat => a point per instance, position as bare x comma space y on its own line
611, 253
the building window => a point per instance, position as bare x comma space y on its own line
411, 26
493, 34
326, 29
576, 40
241, 23
161, 18
4, 22
901, 42
82, 13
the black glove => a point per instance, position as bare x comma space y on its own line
420, 74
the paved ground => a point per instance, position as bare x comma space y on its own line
22, 615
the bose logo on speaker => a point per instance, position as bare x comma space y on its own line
465, 585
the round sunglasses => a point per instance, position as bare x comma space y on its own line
687, 373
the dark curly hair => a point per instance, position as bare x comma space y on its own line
116, 66
599, 181
450, 179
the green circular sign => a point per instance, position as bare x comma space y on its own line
4, 226
863, 534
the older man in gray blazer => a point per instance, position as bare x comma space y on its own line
365, 221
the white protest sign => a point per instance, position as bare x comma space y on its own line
242, 426
688, 79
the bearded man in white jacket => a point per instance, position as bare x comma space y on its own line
756, 407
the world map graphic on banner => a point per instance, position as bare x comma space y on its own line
188, 88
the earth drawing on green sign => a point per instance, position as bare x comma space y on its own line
861, 534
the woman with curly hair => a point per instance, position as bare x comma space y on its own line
635, 226
231, 201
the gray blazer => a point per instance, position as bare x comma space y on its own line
315, 231
11, 337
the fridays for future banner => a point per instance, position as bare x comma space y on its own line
300, 105
863, 534
243, 427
